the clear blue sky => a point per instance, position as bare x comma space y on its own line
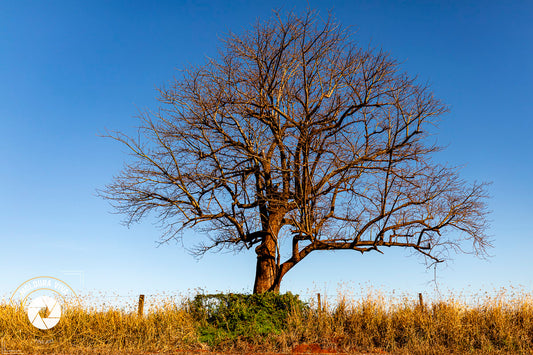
71, 69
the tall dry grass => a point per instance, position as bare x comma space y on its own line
165, 327
492, 325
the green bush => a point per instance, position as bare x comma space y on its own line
226, 317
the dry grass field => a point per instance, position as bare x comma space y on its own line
492, 325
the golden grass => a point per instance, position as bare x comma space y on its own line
494, 325
83, 329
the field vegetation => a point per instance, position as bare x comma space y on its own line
271, 323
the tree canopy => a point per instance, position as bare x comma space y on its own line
294, 132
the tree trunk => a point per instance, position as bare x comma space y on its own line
266, 273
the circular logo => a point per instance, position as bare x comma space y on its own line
44, 299
51, 309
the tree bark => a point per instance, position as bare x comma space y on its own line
267, 269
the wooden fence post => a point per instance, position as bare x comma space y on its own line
319, 303
420, 300
140, 309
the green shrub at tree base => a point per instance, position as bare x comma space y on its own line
226, 317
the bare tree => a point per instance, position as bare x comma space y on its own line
295, 132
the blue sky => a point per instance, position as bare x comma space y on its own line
69, 70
